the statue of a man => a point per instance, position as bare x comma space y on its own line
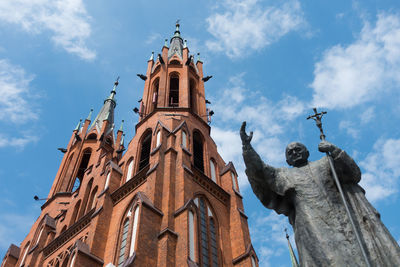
307, 194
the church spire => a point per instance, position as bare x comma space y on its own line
176, 46
107, 111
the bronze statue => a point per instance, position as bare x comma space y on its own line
307, 194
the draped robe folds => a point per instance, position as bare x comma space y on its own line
309, 197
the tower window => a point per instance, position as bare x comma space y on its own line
25, 253
208, 236
174, 91
122, 247
155, 93
234, 183
134, 230
213, 171
198, 151
130, 171
192, 96
82, 167
191, 236
158, 142
145, 151
184, 139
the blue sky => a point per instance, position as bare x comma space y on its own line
271, 61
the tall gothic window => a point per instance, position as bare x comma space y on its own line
158, 141
155, 93
234, 183
184, 139
208, 233
75, 212
107, 180
123, 243
24, 255
84, 163
145, 151
128, 235
174, 91
192, 95
213, 170
130, 170
191, 236
198, 151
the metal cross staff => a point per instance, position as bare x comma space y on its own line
317, 118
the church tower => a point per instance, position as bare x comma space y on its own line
169, 200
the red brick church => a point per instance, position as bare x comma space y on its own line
167, 199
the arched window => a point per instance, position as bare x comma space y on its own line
130, 171
234, 183
92, 200
174, 91
82, 167
158, 140
198, 151
39, 235
134, 230
75, 212
86, 198
122, 246
184, 139
155, 93
73, 260
192, 248
107, 180
253, 262
92, 136
213, 171
65, 261
24, 255
128, 235
145, 151
208, 236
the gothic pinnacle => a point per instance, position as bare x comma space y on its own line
89, 117
78, 125
152, 56
122, 125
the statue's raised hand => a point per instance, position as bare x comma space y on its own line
246, 139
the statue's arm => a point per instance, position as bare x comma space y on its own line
344, 164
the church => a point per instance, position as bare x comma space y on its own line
167, 198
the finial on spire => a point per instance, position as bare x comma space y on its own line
185, 44
122, 124
152, 56
78, 125
89, 117
114, 91
166, 43
198, 57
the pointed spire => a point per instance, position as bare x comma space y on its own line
198, 57
185, 44
166, 43
292, 255
78, 125
106, 112
152, 56
89, 117
122, 125
176, 43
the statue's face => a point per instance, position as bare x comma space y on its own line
296, 154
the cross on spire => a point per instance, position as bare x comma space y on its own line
318, 121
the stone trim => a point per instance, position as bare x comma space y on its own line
241, 212
147, 202
186, 150
97, 212
84, 249
237, 193
64, 237
129, 261
13, 251
155, 150
167, 231
171, 149
152, 169
129, 186
228, 167
56, 195
211, 187
246, 254
187, 169
183, 208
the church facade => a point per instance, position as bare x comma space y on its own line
165, 199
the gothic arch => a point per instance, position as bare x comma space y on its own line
193, 95
145, 149
198, 150
173, 92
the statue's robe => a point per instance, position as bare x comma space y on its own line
309, 197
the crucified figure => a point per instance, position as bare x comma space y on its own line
307, 194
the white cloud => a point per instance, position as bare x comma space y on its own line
249, 25
13, 228
66, 19
268, 234
367, 115
15, 104
347, 76
382, 170
349, 127
235, 104
153, 37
